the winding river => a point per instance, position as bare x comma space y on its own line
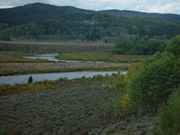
23, 79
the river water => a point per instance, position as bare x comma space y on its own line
53, 57
22, 79
50, 57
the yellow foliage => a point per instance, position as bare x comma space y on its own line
125, 101
44, 85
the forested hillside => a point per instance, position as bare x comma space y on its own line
42, 21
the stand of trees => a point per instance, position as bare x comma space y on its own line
138, 46
149, 86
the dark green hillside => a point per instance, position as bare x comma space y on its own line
42, 21
34, 12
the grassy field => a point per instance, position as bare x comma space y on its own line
94, 56
71, 108
7, 89
49, 47
20, 60
17, 57
78, 107
24, 68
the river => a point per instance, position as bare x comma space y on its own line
53, 57
23, 79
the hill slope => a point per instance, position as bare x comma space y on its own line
47, 21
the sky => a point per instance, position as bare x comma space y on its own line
158, 6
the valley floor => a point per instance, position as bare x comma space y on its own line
77, 107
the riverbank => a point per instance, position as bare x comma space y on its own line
25, 68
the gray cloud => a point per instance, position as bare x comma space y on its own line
160, 6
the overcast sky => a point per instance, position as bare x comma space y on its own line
160, 6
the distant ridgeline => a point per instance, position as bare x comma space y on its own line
43, 21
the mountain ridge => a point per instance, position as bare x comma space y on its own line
118, 10
74, 23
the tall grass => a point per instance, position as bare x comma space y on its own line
17, 57
94, 56
21, 60
38, 86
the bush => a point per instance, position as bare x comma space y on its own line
174, 46
170, 115
98, 76
122, 104
120, 81
149, 84
117, 81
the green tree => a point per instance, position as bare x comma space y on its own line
170, 115
138, 46
174, 46
150, 84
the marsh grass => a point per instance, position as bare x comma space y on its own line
17, 57
7, 89
52, 47
16, 53
21, 60
34, 87
94, 56
50, 67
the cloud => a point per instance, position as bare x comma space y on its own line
160, 6
13, 3
167, 7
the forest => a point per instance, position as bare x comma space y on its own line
47, 22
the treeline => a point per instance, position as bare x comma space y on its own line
138, 46
41, 21
154, 86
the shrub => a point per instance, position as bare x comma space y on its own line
117, 81
174, 46
122, 106
149, 84
120, 81
98, 76
37, 86
170, 115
